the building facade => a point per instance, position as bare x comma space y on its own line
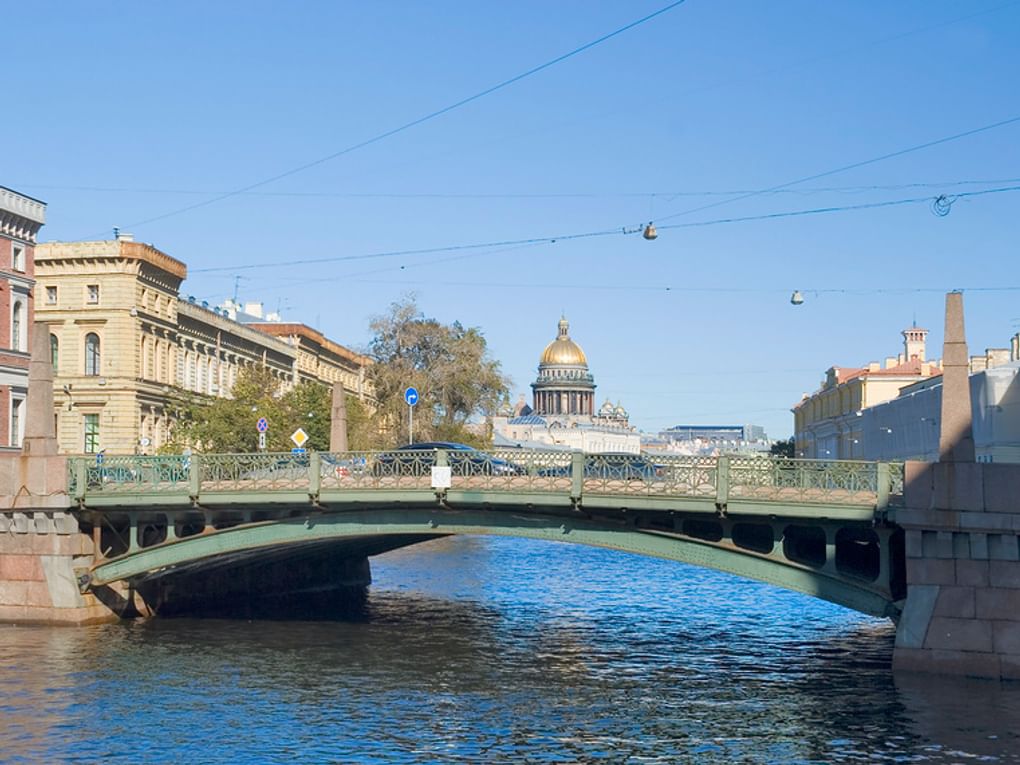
21, 218
319, 358
714, 439
841, 420
907, 427
126, 348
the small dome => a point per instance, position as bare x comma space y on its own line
563, 350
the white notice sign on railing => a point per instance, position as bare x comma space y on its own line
442, 477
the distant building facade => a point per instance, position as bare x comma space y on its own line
713, 439
125, 346
851, 416
907, 427
563, 414
21, 217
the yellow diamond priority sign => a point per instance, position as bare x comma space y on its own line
299, 437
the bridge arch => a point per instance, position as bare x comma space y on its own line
386, 528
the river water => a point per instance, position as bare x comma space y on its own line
501, 650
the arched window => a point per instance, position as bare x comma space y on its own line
92, 354
54, 351
16, 327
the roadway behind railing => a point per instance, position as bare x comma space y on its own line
525, 471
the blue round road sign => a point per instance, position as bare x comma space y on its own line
411, 396
262, 425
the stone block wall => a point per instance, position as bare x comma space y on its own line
962, 526
39, 552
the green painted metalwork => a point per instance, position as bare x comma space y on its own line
261, 477
642, 503
868, 597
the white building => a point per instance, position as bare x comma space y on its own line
907, 427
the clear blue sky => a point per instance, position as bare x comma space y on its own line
119, 112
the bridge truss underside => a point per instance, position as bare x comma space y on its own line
855, 563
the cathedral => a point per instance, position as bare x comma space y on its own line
563, 409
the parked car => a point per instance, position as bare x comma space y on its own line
418, 459
615, 466
343, 468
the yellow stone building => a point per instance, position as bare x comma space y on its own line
831, 423
827, 424
125, 346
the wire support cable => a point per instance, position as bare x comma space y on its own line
418, 121
608, 232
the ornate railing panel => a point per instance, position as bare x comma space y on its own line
127, 474
828, 481
649, 474
896, 479
252, 472
522, 471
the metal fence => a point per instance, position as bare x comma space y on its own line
512, 470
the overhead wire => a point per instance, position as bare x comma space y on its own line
594, 234
845, 168
674, 194
419, 120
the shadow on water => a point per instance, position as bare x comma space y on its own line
474, 650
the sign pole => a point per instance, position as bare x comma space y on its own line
411, 397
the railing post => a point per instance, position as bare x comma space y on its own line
722, 480
576, 475
81, 478
133, 545
884, 486
194, 476
314, 474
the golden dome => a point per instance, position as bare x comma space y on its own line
563, 350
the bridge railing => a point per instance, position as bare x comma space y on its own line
721, 478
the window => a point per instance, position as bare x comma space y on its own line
51, 296
16, 404
18, 257
16, 327
92, 294
92, 354
91, 433
54, 351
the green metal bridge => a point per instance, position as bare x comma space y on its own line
824, 528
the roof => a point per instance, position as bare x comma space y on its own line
287, 329
526, 419
111, 248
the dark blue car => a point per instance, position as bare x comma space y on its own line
612, 467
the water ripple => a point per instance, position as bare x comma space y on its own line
491, 650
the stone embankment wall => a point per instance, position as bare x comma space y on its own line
39, 552
962, 614
41, 545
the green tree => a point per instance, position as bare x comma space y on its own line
362, 433
782, 448
308, 405
450, 366
228, 424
